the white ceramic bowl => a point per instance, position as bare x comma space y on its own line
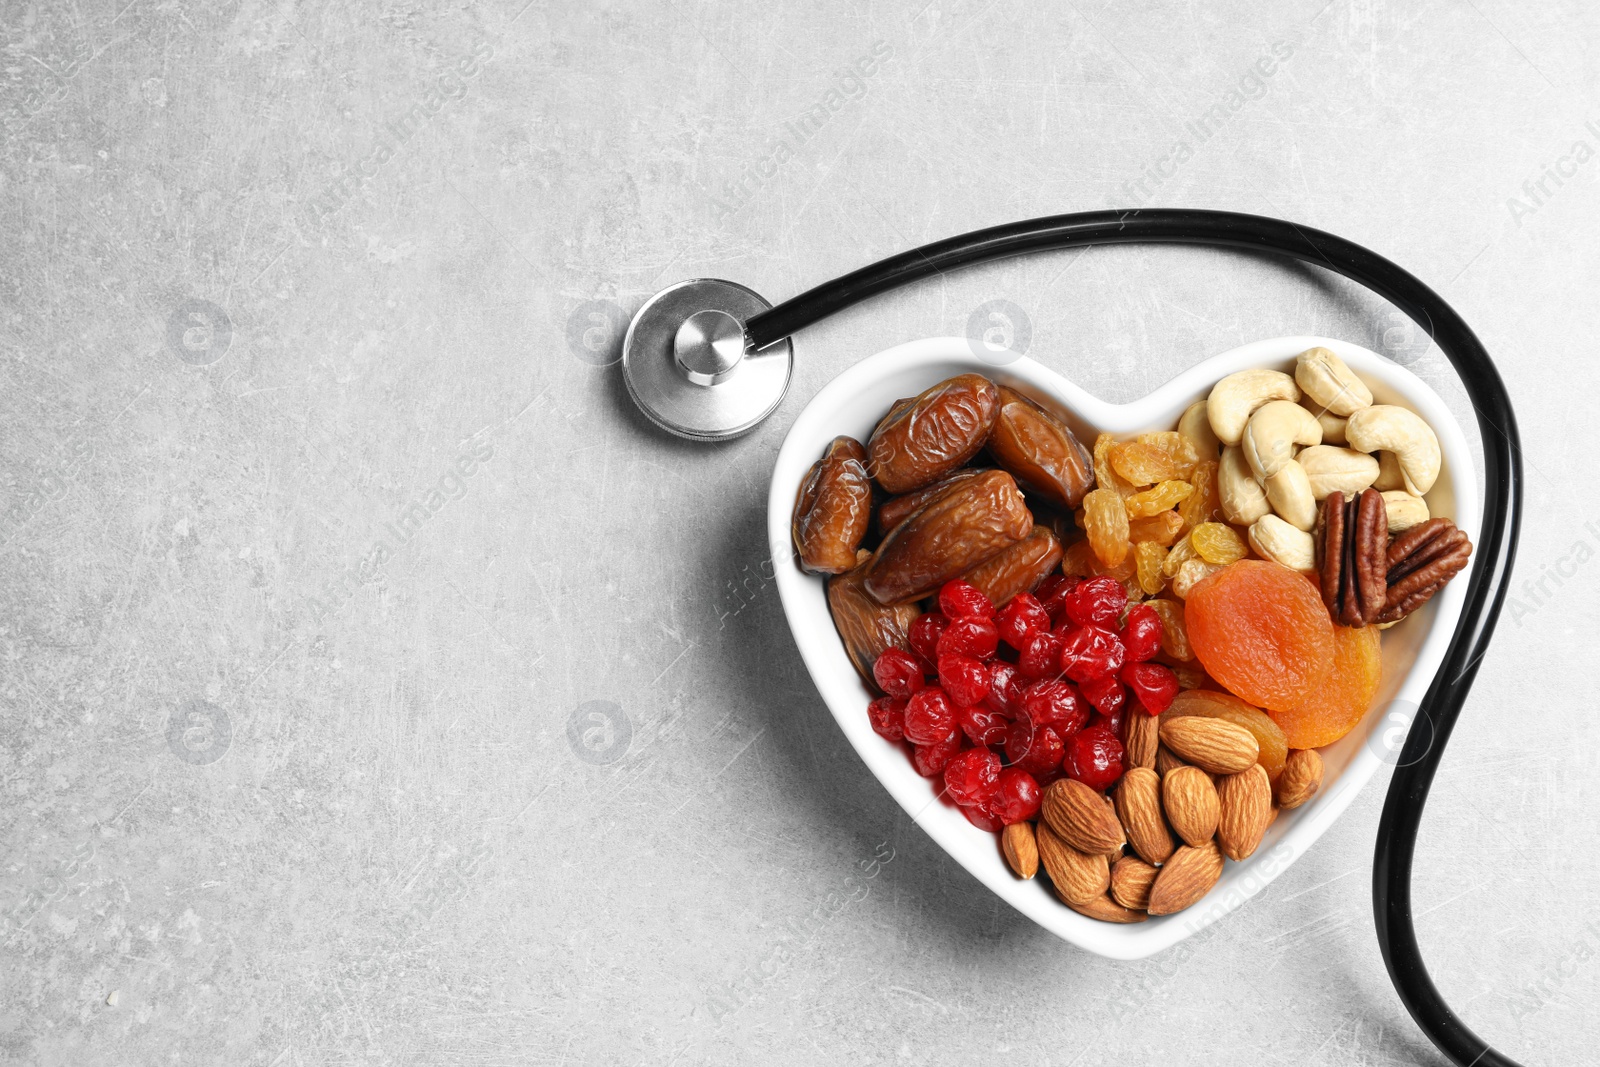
854, 402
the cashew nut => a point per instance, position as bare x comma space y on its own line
1289, 493
1197, 428
1273, 431
1332, 425
1337, 470
1405, 510
1328, 381
1243, 499
1236, 397
1387, 428
1389, 476
1274, 539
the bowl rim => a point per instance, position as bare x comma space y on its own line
846, 696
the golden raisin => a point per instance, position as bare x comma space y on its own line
1174, 630
1163, 528
1180, 448
1205, 503
1217, 543
1078, 560
1191, 574
1158, 498
1104, 476
1106, 522
1181, 553
1190, 676
1142, 463
1148, 556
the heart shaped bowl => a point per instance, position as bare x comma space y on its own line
856, 400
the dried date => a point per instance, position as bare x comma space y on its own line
947, 537
923, 440
1040, 451
1019, 568
898, 509
833, 509
866, 627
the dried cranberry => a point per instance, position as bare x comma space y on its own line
1016, 796
1090, 652
1020, 619
930, 760
1095, 602
1006, 686
1115, 720
1055, 704
1094, 756
888, 715
925, 633
930, 717
1153, 685
1053, 590
898, 672
982, 726
977, 638
1037, 751
1105, 693
1141, 633
983, 819
963, 600
970, 777
1042, 656
965, 679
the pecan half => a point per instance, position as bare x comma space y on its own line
1355, 561
1421, 560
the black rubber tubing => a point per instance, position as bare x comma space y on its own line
1497, 542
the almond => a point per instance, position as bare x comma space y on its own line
1141, 738
1214, 745
1185, 878
1078, 877
1021, 851
1107, 910
1131, 878
1301, 777
1165, 760
1138, 800
1246, 805
1191, 803
1081, 817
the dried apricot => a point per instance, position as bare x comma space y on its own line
1163, 528
1106, 522
1159, 497
1261, 630
1147, 558
1339, 704
1142, 463
1217, 543
1270, 738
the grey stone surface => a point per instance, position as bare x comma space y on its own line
543, 779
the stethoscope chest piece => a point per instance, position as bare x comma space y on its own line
685, 361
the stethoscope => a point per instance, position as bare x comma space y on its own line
709, 360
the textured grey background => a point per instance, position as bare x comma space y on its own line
547, 782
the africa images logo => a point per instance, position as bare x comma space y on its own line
400, 531
850, 83
392, 136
